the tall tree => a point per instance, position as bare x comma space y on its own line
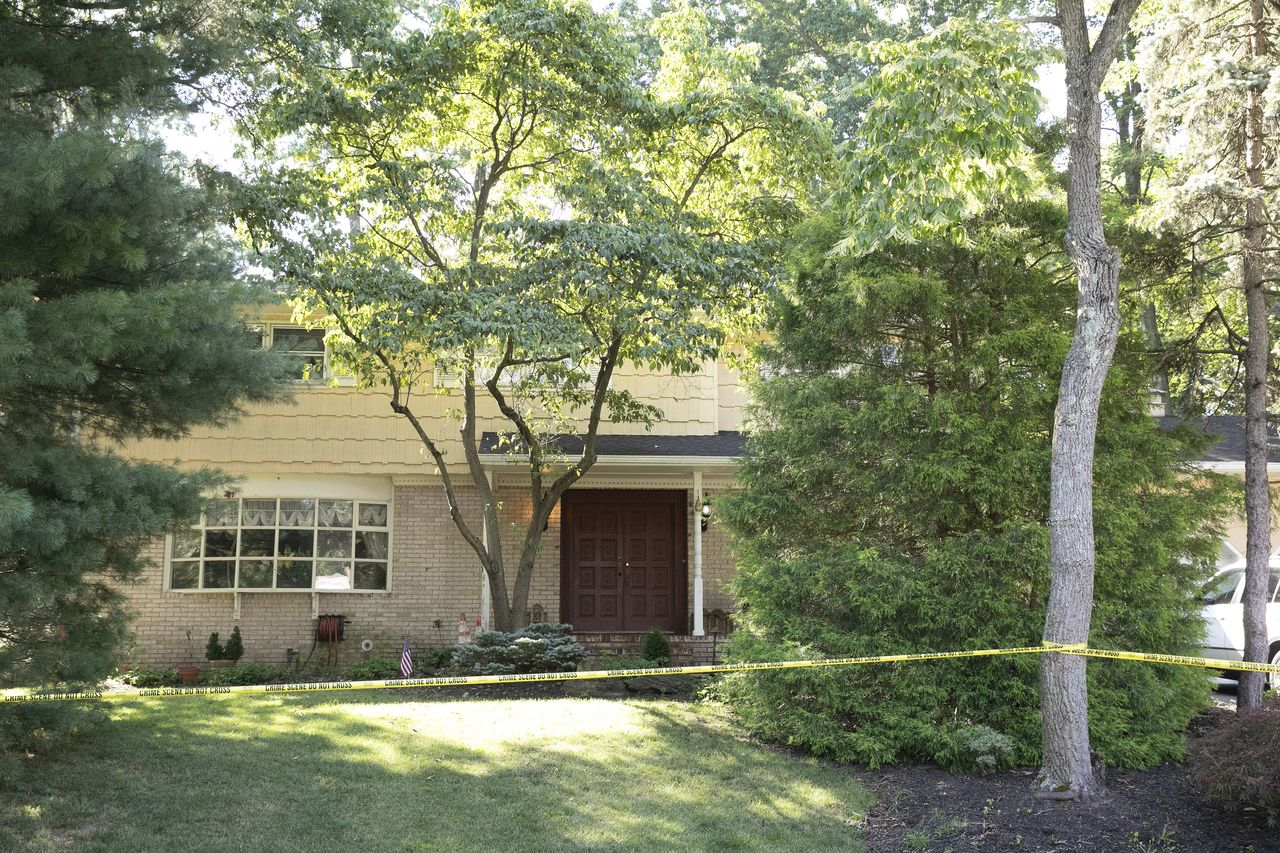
1209, 69
1253, 277
1068, 769
118, 317
533, 207
809, 47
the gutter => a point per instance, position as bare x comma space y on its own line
502, 460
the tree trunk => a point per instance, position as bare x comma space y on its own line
1155, 342
1257, 507
1068, 769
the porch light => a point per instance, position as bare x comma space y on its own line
706, 513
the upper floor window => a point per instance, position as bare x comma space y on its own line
305, 349
284, 544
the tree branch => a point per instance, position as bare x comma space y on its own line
400, 407
1113, 29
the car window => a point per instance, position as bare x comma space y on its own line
1221, 589
1275, 581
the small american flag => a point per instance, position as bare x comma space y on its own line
406, 659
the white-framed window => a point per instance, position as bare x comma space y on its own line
451, 377
284, 544
305, 348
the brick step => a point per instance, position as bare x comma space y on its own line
685, 649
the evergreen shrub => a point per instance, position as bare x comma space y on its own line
249, 673
608, 660
143, 677
375, 669
234, 649
541, 647
895, 500
434, 657
213, 649
27, 729
657, 648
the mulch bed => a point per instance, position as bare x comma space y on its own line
667, 687
1161, 810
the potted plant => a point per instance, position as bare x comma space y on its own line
234, 649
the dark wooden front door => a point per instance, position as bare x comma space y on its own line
622, 560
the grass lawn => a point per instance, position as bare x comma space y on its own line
383, 771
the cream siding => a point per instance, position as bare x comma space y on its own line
731, 397
335, 430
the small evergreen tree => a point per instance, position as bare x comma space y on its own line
896, 501
234, 649
213, 649
657, 648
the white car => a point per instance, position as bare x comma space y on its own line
1224, 617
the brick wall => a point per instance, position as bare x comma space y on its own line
514, 511
686, 650
717, 564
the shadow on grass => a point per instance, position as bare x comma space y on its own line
386, 771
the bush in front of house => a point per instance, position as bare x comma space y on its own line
1237, 762
249, 673
234, 649
657, 648
541, 647
143, 677
433, 657
213, 650
894, 500
608, 660
375, 669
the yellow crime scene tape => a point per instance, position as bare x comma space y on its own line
1176, 660
588, 675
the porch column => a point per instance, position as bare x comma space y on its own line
485, 605
698, 629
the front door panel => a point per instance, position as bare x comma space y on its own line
597, 582
623, 560
648, 568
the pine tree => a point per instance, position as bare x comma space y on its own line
119, 318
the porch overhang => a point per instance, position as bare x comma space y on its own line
645, 456
720, 448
